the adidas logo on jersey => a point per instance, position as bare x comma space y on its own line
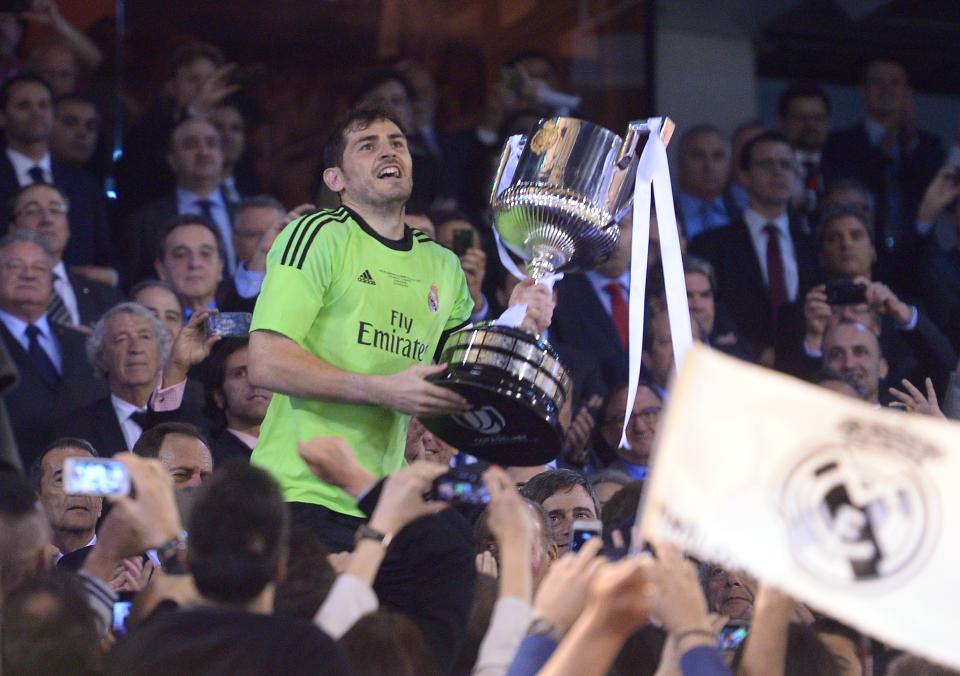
366, 278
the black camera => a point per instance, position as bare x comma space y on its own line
845, 292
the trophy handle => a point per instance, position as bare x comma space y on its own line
636, 130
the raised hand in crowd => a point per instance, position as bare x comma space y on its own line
214, 90
816, 314
765, 650
474, 264
47, 13
615, 609
401, 502
190, 347
562, 595
676, 602
913, 400
332, 460
883, 301
146, 519
578, 432
942, 191
509, 521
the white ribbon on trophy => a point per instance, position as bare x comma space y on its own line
653, 170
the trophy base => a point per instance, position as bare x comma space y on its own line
508, 425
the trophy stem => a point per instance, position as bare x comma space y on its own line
540, 267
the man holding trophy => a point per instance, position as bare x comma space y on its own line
354, 307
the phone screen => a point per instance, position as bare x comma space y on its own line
121, 609
95, 476
732, 635
581, 531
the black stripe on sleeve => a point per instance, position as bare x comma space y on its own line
302, 225
303, 255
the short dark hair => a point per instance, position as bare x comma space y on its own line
183, 220
553, 481
239, 529
192, 51
262, 201
356, 118
149, 443
697, 130
309, 576
380, 77
834, 213
387, 641
17, 80
156, 284
78, 98
35, 472
746, 156
215, 371
801, 89
50, 638
621, 508
12, 200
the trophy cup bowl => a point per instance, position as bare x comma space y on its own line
556, 205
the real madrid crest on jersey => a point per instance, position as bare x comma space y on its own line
433, 300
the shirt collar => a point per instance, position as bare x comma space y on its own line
123, 408
60, 271
756, 222
22, 164
187, 201
248, 439
188, 312
599, 281
875, 131
803, 157
17, 326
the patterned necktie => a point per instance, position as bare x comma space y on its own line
777, 289
620, 311
40, 357
36, 173
57, 310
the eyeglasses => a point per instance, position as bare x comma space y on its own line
35, 210
648, 415
772, 163
19, 267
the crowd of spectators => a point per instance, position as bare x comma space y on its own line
827, 254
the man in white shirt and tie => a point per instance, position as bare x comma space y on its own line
764, 259
54, 373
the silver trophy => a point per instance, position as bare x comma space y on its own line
557, 197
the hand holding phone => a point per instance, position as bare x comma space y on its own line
95, 476
460, 486
582, 530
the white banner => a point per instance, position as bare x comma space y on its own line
850, 509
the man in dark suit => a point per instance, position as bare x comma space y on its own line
196, 158
703, 174
235, 405
76, 300
191, 260
888, 154
762, 260
128, 347
54, 374
592, 310
26, 114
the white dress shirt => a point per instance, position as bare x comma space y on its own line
131, 430
23, 164
755, 225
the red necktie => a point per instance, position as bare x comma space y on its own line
777, 289
620, 311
